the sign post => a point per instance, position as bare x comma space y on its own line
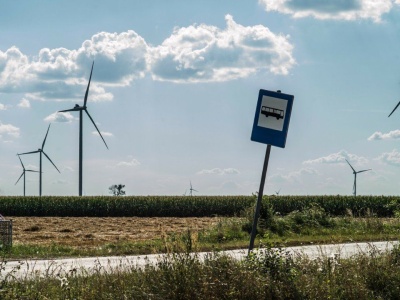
271, 124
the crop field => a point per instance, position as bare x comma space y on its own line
187, 206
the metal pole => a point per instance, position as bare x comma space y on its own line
259, 199
80, 152
40, 174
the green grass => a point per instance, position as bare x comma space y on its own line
271, 274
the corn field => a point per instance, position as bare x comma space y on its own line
190, 206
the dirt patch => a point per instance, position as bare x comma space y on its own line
97, 231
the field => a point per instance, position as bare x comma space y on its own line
94, 232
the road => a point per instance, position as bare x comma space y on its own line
85, 266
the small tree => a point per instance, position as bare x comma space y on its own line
116, 189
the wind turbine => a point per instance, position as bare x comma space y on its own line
394, 109
191, 189
355, 177
23, 172
82, 109
41, 151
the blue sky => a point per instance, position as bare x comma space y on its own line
175, 87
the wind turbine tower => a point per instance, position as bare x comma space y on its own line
41, 151
82, 109
355, 177
23, 173
192, 190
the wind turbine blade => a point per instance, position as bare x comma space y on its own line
350, 165
72, 109
364, 171
87, 89
44, 141
195, 190
51, 162
394, 109
32, 171
23, 167
37, 151
20, 177
96, 127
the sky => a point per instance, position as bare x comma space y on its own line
174, 91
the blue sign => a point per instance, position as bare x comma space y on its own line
271, 121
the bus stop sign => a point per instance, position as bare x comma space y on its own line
271, 120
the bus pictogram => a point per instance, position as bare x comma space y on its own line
273, 112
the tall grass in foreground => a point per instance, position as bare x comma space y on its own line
271, 274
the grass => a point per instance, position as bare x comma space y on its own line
270, 274
298, 228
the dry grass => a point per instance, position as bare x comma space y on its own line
93, 232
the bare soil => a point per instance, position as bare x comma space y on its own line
97, 231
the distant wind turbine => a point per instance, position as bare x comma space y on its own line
277, 193
192, 189
394, 109
355, 177
41, 151
23, 172
82, 109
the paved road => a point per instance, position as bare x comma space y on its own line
60, 267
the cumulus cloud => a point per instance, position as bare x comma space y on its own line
218, 171
63, 74
59, 117
2, 107
132, 163
337, 10
24, 103
207, 53
9, 130
293, 176
376, 136
197, 53
390, 158
339, 157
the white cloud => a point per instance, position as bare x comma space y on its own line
63, 74
9, 130
339, 157
218, 171
337, 10
68, 169
59, 117
390, 158
207, 53
134, 162
293, 176
191, 54
103, 133
24, 103
2, 107
395, 134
